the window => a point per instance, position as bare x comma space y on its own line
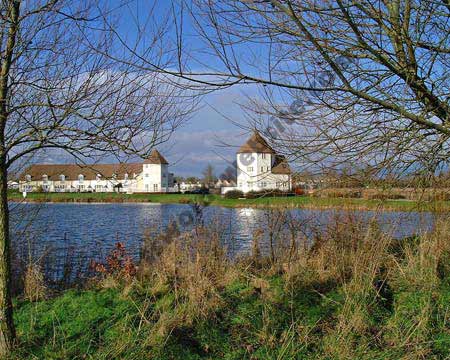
262, 169
125, 176
62, 178
98, 188
263, 156
146, 187
44, 179
263, 184
98, 177
250, 168
155, 187
27, 177
146, 174
80, 178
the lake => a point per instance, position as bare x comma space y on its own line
89, 231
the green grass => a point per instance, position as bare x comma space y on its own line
217, 200
107, 324
354, 295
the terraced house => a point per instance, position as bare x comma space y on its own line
150, 176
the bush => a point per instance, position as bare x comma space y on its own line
442, 196
333, 193
386, 196
234, 194
267, 193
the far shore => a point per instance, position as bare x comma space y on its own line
306, 202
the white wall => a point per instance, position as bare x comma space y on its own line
155, 178
254, 173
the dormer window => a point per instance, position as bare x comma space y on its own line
27, 177
125, 176
80, 178
44, 179
62, 178
98, 177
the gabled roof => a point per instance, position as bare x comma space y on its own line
72, 171
256, 144
281, 166
156, 158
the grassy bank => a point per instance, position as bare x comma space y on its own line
354, 294
263, 202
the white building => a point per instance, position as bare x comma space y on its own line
150, 176
259, 167
189, 186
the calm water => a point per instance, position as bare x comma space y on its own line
89, 231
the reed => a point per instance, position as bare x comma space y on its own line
349, 291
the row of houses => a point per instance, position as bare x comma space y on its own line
150, 176
259, 167
185, 186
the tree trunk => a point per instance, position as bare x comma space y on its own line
7, 331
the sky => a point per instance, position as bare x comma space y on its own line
201, 140
210, 136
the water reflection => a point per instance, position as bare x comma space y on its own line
90, 231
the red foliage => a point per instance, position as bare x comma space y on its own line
117, 263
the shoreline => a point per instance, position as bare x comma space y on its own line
300, 202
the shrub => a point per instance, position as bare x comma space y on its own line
118, 264
386, 196
234, 194
34, 284
267, 193
348, 194
442, 196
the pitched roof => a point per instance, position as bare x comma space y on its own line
72, 171
256, 144
156, 158
281, 166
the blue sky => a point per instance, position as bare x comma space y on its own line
209, 137
201, 140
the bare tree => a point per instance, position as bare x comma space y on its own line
208, 175
61, 89
360, 82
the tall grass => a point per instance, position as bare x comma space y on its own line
349, 291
